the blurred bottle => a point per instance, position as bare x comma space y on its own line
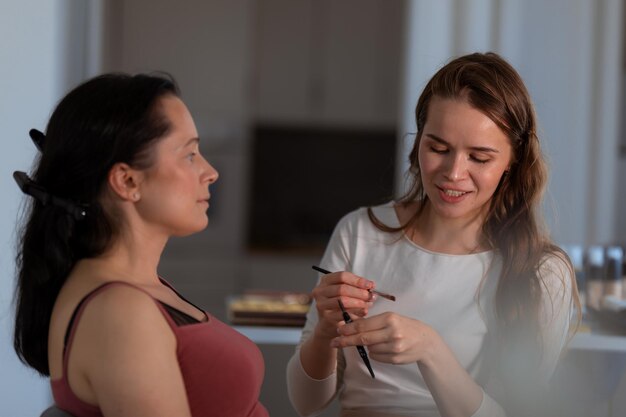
614, 258
595, 273
623, 272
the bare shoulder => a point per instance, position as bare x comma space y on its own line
115, 309
118, 322
124, 310
125, 350
115, 292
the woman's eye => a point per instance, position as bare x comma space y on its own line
191, 156
438, 150
479, 160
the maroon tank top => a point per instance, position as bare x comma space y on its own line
222, 369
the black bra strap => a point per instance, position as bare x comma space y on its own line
75, 313
179, 317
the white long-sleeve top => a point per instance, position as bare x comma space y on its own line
448, 293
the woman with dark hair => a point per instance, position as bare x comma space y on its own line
120, 172
483, 296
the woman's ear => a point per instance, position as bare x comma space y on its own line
124, 181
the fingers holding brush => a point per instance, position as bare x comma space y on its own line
353, 292
390, 338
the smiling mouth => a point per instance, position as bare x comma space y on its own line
454, 193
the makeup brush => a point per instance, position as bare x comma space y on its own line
380, 293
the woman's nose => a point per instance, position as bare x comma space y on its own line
210, 174
456, 168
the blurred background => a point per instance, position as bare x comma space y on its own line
306, 109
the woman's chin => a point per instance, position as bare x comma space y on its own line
192, 230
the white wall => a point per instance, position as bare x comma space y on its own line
41, 53
572, 61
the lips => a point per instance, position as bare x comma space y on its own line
451, 195
454, 193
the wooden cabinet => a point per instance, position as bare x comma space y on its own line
327, 62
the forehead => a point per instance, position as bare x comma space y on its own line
456, 120
182, 127
175, 111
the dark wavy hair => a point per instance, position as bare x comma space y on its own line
513, 227
109, 119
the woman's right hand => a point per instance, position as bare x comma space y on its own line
354, 294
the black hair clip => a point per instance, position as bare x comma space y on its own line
38, 138
36, 191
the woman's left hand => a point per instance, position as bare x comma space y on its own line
390, 338
396, 339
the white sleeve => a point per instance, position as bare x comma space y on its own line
307, 395
555, 314
310, 396
489, 408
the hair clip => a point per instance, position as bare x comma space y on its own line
36, 191
29, 187
38, 138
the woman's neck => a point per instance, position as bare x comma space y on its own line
443, 235
127, 261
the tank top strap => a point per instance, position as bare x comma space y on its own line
182, 297
80, 307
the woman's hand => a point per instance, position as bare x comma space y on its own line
354, 294
391, 338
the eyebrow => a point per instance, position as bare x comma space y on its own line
474, 148
189, 142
